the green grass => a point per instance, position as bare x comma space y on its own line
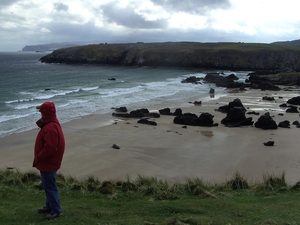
149, 201
180, 47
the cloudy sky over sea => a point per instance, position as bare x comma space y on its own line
30, 22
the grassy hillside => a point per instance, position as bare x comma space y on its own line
149, 201
234, 56
291, 43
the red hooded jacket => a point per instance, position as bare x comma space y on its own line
50, 142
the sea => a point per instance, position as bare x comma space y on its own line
83, 90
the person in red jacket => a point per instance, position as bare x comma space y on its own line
48, 154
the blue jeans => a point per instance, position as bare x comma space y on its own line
51, 191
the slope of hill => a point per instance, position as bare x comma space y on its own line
291, 43
234, 56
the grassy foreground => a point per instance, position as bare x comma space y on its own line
149, 201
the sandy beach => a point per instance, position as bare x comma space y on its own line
169, 151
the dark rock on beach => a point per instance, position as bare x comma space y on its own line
294, 101
192, 79
266, 122
139, 113
147, 122
253, 113
152, 115
186, 119
284, 124
235, 103
232, 77
292, 109
115, 146
205, 119
236, 118
222, 81
284, 105
269, 143
121, 109
267, 98
165, 111
197, 102
177, 112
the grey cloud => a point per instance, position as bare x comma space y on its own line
11, 17
205, 35
60, 6
128, 18
7, 2
88, 32
74, 32
192, 6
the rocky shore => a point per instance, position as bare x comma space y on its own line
250, 131
251, 128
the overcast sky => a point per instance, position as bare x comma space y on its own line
31, 22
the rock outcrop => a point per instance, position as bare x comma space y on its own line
236, 118
204, 120
137, 113
266, 122
235, 103
294, 100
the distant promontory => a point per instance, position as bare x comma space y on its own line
233, 56
48, 47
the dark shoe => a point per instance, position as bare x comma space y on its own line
53, 216
44, 210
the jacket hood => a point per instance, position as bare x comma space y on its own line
47, 108
48, 112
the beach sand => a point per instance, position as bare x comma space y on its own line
170, 152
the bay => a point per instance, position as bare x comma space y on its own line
82, 90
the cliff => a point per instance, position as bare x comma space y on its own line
233, 56
291, 43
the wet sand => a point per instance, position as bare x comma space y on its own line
169, 151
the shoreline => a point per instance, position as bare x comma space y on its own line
168, 151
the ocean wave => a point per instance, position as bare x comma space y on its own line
44, 97
41, 95
77, 101
19, 101
25, 106
90, 88
14, 116
120, 91
64, 92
